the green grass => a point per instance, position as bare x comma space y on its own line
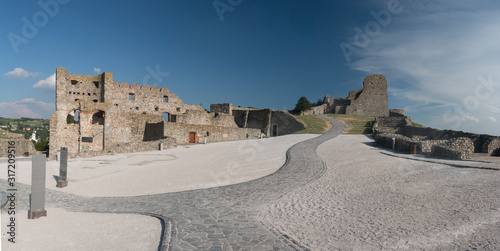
356, 124
315, 125
413, 123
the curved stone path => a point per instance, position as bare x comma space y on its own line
222, 218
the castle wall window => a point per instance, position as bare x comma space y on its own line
74, 82
98, 118
165, 98
166, 116
96, 83
73, 117
131, 96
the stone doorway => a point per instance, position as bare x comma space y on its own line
192, 137
275, 131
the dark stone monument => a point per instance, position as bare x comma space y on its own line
63, 168
37, 198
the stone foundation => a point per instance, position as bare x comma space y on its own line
458, 148
62, 183
36, 214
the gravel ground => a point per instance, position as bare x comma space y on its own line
368, 200
187, 167
65, 230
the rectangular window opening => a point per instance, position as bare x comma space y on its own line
166, 116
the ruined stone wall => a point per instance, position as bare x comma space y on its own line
338, 105
271, 123
145, 99
180, 132
23, 146
285, 123
226, 108
492, 146
390, 124
316, 110
403, 143
104, 115
397, 113
260, 119
372, 99
129, 148
198, 117
480, 140
458, 148
319, 109
241, 117
430, 139
427, 146
63, 134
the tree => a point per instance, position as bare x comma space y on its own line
42, 145
302, 105
319, 102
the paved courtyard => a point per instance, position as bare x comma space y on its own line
346, 195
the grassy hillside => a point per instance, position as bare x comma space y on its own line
356, 124
316, 125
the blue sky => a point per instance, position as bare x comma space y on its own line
441, 58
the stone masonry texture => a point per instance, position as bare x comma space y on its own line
96, 115
371, 100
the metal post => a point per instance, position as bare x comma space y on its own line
393, 143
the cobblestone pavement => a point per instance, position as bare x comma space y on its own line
221, 218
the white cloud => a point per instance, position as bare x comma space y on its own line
27, 107
21, 73
433, 58
48, 83
97, 70
492, 119
43, 105
472, 118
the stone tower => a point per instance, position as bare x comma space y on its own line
372, 99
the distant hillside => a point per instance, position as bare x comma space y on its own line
26, 126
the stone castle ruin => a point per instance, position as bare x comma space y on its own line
399, 130
95, 115
271, 123
370, 100
394, 129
